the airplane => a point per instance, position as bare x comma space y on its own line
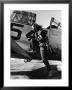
20, 45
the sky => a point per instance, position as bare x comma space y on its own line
43, 17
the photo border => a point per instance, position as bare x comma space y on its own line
2, 2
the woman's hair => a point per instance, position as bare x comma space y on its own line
44, 33
37, 27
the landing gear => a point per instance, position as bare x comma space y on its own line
27, 60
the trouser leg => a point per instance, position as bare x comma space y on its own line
32, 44
43, 51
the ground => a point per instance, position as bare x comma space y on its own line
34, 69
